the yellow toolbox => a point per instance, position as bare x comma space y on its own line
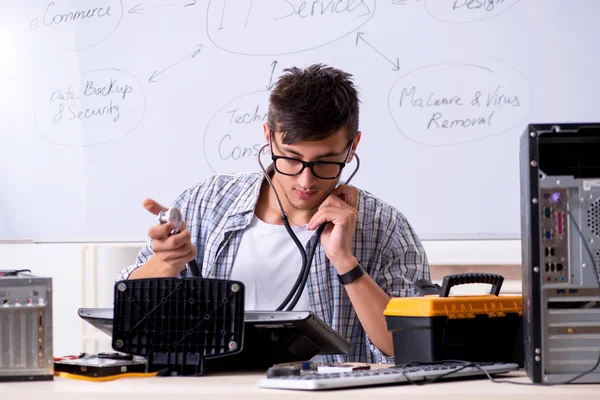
435, 327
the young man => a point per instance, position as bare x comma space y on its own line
366, 254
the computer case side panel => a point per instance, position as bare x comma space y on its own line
530, 248
26, 341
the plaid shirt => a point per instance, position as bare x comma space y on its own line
218, 209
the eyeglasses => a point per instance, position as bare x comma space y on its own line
321, 169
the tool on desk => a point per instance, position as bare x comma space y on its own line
101, 366
436, 326
291, 369
332, 368
174, 216
301, 368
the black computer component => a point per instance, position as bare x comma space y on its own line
177, 324
287, 336
191, 326
560, 237
276, 337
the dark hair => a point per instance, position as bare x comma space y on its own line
313, 103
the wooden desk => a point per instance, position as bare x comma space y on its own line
243, 386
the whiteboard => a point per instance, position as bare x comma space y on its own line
107, 102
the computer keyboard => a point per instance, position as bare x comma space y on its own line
385, 376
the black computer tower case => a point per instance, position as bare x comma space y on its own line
560, 239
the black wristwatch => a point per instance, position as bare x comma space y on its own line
351, 275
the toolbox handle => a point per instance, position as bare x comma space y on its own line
495, 280
426, 287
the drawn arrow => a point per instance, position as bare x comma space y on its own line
396, 64
271, 83
138, 10
156, 73
401, 2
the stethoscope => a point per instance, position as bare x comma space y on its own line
300, 283
174, 216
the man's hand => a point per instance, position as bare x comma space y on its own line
171, 251
340, 212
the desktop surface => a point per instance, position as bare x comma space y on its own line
244, 386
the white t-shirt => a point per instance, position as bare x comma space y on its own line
268, 263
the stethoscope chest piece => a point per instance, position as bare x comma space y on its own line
172, 215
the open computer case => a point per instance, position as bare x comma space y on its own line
560, 234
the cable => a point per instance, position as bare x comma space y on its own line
589, 251
582, 374
464, 365
587, 248
15, 272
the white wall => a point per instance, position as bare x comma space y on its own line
83, 276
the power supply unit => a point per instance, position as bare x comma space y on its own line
25, 327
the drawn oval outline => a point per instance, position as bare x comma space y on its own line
491, 15
206, 157
290, 52
141, 118
120, 2
494, 133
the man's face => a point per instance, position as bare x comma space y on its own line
306, 191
